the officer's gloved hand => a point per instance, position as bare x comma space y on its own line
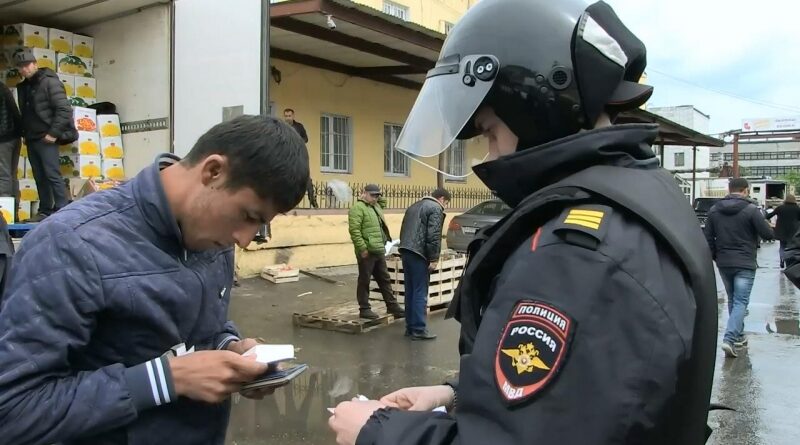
420, 398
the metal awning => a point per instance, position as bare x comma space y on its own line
669, 132
365, 43
69, 14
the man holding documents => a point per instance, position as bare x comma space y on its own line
113, 329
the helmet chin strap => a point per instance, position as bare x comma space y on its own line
448, 175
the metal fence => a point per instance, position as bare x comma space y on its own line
398, 196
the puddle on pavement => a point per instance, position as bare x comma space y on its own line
297, 414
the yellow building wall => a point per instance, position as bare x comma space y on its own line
428, 13
312, 92
311, 241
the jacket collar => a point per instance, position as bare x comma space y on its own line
516, 176
434, 200
152, 201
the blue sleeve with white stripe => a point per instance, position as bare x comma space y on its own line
150, 384
50, 308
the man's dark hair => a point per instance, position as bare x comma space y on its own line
738, 185
441, 193
288, 109
264, 154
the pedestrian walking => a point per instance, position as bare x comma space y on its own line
787, 223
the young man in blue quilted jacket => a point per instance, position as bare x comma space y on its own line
114, 327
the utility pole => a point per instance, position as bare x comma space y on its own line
736, 154
265, 66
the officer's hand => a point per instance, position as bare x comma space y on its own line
420, 398
364, 254
49, 138
349, 417
211, 376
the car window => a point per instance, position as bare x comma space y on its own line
704, 205
490, 208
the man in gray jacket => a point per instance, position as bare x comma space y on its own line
420, 244
732, 230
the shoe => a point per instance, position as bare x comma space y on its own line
730, 350
741, 342
396, 310
368, 314
424, 335
38, 218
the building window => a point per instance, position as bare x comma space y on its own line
447, 26
679, 160
335, 151
394, 161
456, 161
396, 10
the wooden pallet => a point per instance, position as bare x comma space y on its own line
443, 281
342, 318
280, 273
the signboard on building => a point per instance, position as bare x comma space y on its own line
771, 124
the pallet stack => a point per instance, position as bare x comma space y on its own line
443, 281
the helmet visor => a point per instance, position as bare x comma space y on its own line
451, 94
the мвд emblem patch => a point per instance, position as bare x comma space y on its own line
532, 350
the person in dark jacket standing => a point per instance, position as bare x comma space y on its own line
46, 118
787, 224
113, 328
288, 117
420, 247
732, 230
588, 313
10, 134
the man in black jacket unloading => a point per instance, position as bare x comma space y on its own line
46, 118
420, 245
732, 230
10, 133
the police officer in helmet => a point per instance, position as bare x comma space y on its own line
588, 314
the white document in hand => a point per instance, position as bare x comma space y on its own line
271, 353
390, 245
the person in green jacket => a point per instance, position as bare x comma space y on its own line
369, 233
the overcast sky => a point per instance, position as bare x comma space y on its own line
748, 48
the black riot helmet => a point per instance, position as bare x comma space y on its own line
547, 68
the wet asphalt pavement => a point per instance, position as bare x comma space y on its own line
762, 384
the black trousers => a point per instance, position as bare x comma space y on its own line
47, 174
374, 266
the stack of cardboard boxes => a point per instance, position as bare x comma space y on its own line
98, 152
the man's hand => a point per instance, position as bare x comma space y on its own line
420, 398
364, 254
49, 138
211, 376
349, 417
243, 345
432, 266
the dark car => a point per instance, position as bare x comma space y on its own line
701, 208
463, 227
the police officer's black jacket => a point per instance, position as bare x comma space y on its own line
583, 332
